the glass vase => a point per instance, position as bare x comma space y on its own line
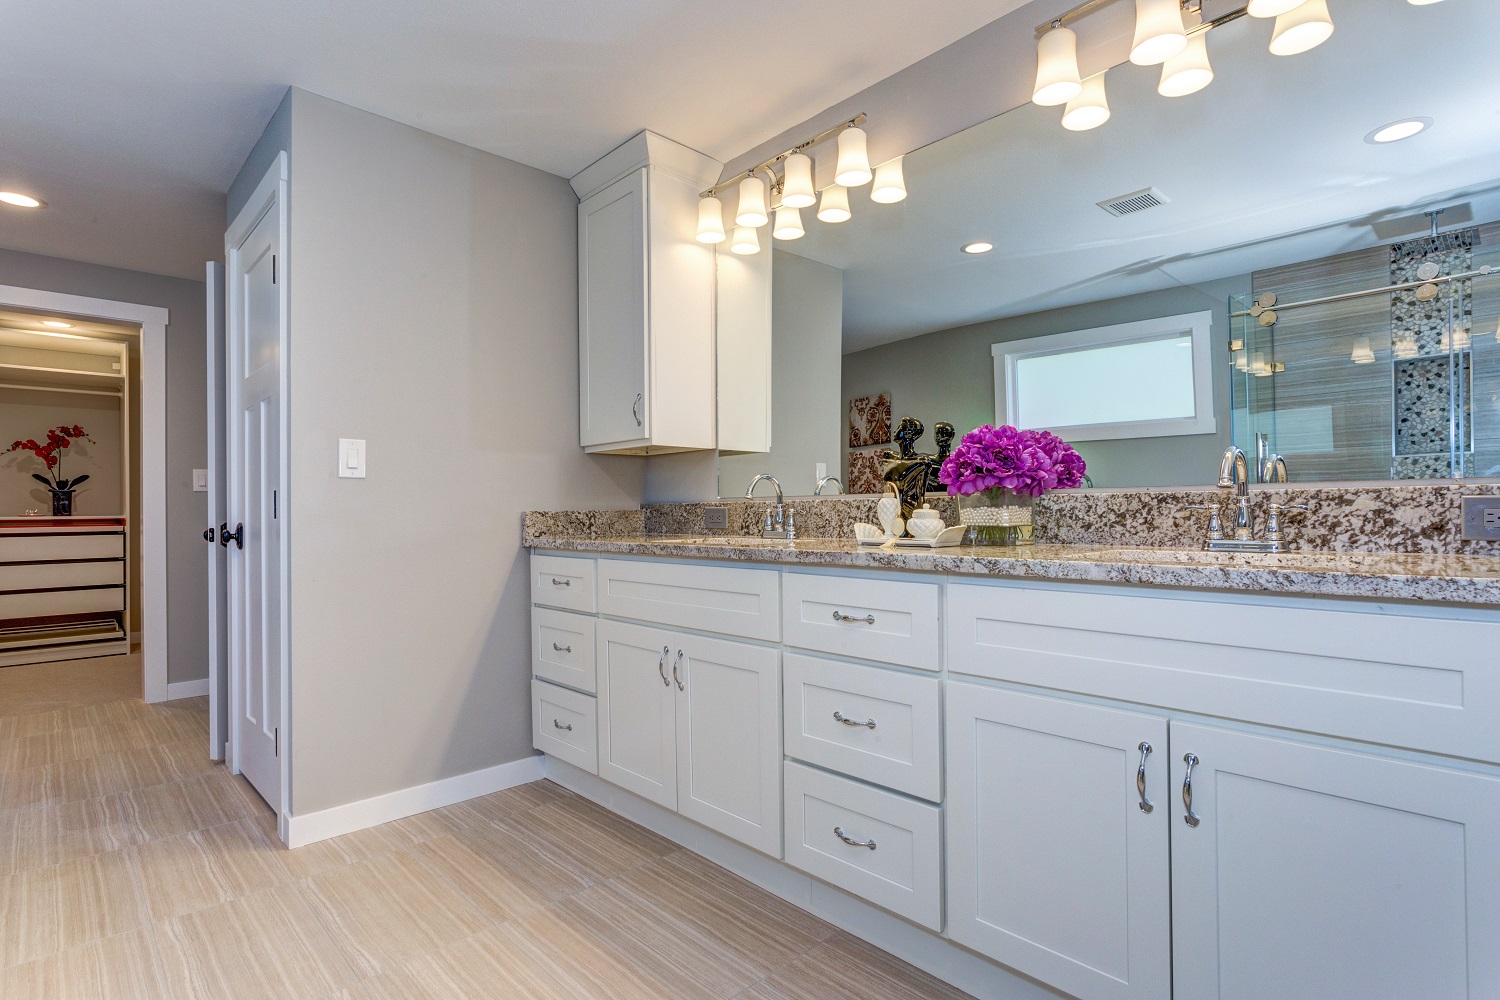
62, 503
997, 517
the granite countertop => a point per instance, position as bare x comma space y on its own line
1451, 579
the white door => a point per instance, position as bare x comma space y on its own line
1054, 866
1314, 873
637, 724
729, 738
253, 541
218, 625
612, 313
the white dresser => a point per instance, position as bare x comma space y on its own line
62, 588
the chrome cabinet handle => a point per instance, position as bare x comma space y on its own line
567, 729
839, 616
838, 832
675, 675
1191, 818
635, 408
839, 717
561, 583
1140, 778
661, 665
561, 649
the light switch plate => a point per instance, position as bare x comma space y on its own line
200, 480
1481, 518
351, 458
715, 519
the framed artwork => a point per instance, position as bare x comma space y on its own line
870, 420
864, 472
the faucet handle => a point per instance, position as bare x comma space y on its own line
791, 522
1215, 519
1274, 532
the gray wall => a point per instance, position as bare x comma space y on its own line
949, 375
187, 422
434, 313
27, 413
276, 138
807, 309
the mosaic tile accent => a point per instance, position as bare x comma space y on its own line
1422, 405
1453, 253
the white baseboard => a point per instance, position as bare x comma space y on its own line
920, 947
309, 828
187, 689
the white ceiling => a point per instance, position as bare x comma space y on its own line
131, 119
1267, 166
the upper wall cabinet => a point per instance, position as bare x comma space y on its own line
646, 301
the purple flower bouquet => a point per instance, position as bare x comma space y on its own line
996, 472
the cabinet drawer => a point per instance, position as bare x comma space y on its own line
562, 648
1371, 673
41, 576
62, 602
829, 710
26, 548
902, 872
725, 599
565, 724
563, 582
892, 621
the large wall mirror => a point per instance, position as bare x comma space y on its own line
1275, 277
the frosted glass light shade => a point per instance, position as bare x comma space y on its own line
1089, 109
853, 167
1188, 71
745, 241
1158, 32
835, 207
1362, 354
752, 211
1057, 79
890, 182
1301, 29
788, 224
1405, 347
797, 185
710, 220
1271, 8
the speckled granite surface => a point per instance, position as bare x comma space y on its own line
581, 524
1388, 576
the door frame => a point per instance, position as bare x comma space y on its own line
218, 624
153, 513
270, 195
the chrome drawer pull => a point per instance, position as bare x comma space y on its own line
839, 717
839, 616
675, 675
561, 583
567, 729
561, 649
1191, 819
1140, 778
838, 832
661, 666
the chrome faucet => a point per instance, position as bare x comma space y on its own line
780, 521
1234, 473
1273, 469
825, 481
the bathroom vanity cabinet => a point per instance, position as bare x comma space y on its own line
1124, 793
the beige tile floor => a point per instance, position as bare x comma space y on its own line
132, 868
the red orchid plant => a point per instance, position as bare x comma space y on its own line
59, 439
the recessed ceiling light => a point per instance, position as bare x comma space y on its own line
57, 323
1396, 131
1421, 3
978, 246
21, 200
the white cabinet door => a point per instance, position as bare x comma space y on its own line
637, 711
613, 396
1054, 867
1314, 873
729, 738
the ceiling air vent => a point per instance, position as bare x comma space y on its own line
1136, 201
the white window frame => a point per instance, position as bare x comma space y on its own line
1199, 325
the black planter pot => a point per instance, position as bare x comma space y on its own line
62, 503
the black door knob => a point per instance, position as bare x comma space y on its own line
238, 534
208, 535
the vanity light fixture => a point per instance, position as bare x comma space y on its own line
1057, 79
853, 167
21, 200
890, 183
1159, 34
977, 247
1271, 8
752, 210
1396, 131
745, 241
710, 221
1362, 353
835, 207
1422, 3
1089, 109
59, 324
788, 224
1302, 28
1188, 71
797, 189
1404, 347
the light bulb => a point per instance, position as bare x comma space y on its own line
835, 207
1271, 8
745, 241
1362, 354
853, 167
710, 220
752, 210
797, 184
1158, 32
1188, 71
890, 182
1089, 109
788, 224
1057, 79
1306, 27
21, 200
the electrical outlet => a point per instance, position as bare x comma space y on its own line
1481, 518
716, 519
